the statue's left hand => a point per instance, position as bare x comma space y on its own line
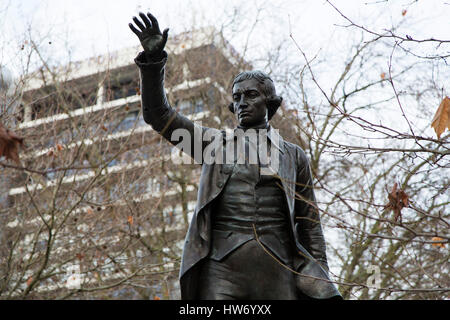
151, 38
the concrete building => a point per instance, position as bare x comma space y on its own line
102, 212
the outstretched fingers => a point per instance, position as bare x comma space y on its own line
148, 27
139, 23
145, 19
136, 31
154, 21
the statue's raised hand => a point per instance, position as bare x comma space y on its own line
152, 40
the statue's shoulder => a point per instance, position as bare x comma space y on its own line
292, 146
296, 150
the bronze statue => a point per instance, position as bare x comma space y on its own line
252, 235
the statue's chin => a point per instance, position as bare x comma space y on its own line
245, 124
249, 125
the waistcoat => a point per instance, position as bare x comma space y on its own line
251, 203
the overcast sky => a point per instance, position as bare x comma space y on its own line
91, 27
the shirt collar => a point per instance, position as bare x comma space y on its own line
273, 136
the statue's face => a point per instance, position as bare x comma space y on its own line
249, 103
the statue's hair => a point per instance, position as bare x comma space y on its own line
272, 100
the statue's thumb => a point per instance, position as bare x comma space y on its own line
165, 35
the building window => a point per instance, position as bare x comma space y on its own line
190, 106
121, 88
128, 122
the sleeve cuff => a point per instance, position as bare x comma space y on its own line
145, 64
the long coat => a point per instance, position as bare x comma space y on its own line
310, 262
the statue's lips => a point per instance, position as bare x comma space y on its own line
244, 114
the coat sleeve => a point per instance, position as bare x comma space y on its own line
307, 218
156, 109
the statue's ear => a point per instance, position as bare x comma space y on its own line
273, 103
231, 107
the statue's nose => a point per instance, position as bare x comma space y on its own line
242, 103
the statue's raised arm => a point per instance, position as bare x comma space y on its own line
156, 109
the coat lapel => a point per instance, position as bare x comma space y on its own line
286, 168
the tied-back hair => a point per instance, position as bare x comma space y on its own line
273, 101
